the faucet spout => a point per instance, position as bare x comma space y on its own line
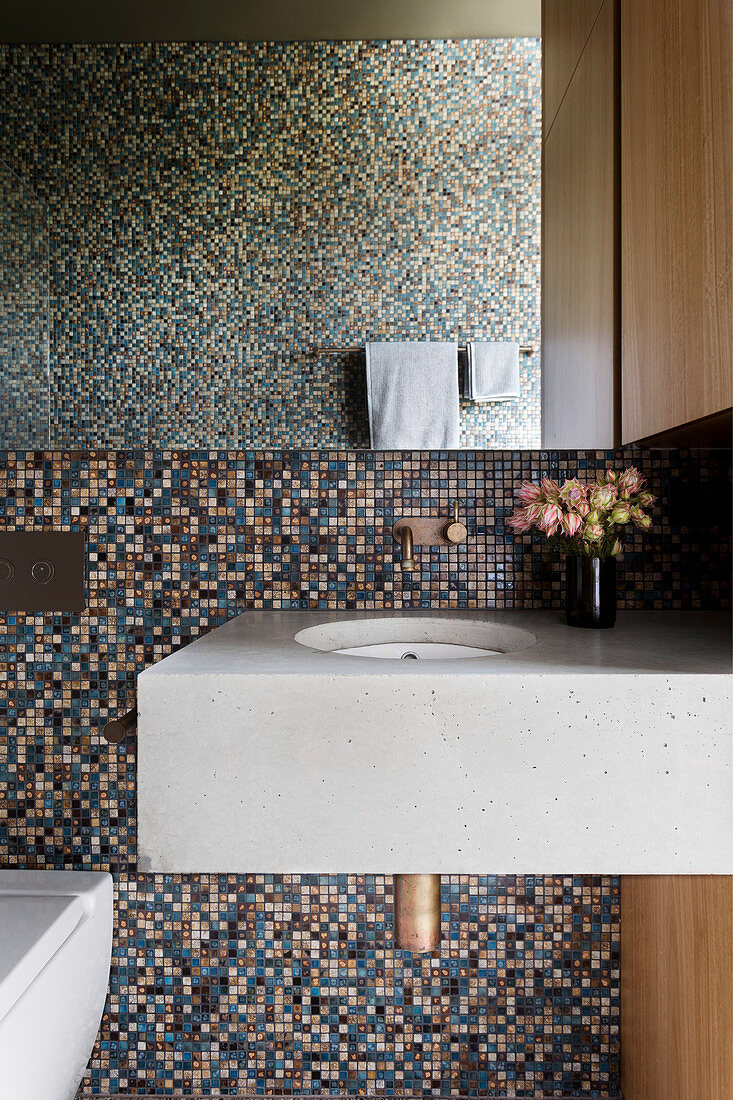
408, 560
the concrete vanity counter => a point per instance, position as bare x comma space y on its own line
263, 642
603, 751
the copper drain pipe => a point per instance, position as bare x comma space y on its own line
417, 912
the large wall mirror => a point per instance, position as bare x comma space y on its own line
224, 222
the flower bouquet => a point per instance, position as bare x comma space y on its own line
583, 519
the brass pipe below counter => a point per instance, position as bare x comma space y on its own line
417, 912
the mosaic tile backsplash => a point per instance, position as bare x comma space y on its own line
272, 983
218, 209
24, 313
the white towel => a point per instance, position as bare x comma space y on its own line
492, 372
412, 391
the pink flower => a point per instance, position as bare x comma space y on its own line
528, 492
520, 521
593, 531
550, 519
602, 497
550, 489
573, 492
583, 510
621, 513
571, 523
630, 482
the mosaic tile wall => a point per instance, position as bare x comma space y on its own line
293, 983
217, 210
24, 316
279, 984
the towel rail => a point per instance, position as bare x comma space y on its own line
333, 349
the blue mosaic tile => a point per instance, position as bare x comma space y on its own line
24, 315
291, 983
277, 984
219, 209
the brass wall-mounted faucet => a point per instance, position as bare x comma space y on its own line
428, 531
408, 560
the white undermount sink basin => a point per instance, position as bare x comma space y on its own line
426, 639
416, 651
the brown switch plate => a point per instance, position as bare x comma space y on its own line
42, 570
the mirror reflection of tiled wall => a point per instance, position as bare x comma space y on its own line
24, 378
217, 210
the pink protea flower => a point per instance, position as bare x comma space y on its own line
571, 524
602, 497
550, 489
621, 512
573, 492
630, 481
581, 516
550, 518
528, 492
534, 512
520, 521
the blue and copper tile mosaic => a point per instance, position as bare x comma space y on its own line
277, 984
24, 315
218, 210
291, 983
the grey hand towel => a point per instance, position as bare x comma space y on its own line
412, 391
492, 372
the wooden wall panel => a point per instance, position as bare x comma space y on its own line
677, 987
579, 252
566, 25
676, 212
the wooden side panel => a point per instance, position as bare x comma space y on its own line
566, 25
579, 244
676, 211
677, 987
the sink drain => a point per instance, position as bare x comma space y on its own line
409, 657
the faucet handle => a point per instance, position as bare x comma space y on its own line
454, 531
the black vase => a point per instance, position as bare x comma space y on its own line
591, 591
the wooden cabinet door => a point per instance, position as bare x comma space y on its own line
677, 987
676, 207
